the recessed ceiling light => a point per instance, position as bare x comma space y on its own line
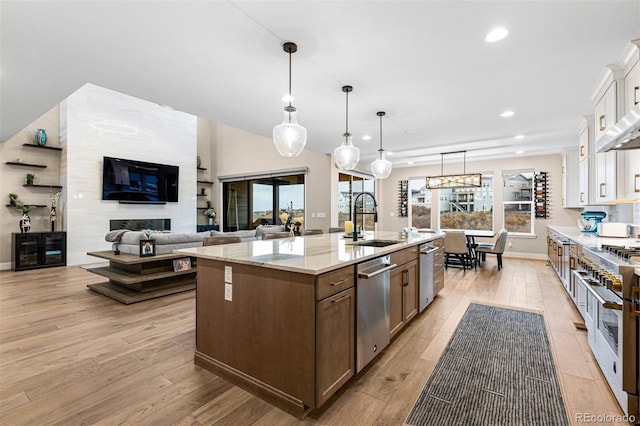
389, 153
520, 152
409, 162
496, 34
507, 114
518, 137
619, 145
287, 98
366, 138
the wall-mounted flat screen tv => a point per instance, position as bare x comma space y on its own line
131, 180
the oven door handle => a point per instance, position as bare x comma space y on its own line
612, 305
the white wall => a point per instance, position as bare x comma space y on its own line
521, 245
162, 135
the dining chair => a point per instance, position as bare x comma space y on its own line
275, 235
457, 249
214, 241
311, 232
497, 248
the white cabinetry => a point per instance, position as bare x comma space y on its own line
632, 88
586, 172
606, 109
629, 175
570, 178
605, 176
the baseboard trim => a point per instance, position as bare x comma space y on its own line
272, 395
520, 255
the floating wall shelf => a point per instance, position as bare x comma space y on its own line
53, 148
42, 186
15, 163
205, 181
32, 205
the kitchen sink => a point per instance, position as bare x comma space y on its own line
375, 243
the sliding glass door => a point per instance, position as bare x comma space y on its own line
249, 203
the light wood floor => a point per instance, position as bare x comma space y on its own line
71, 356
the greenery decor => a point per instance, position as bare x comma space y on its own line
12, 199
23, 208
30, 177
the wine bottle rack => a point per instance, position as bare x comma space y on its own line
541, 195
403, 204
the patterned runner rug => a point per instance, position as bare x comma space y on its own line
497, 369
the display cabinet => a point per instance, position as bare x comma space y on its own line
33, 250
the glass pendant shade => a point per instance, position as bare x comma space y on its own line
289, 137
381, 168
346, 156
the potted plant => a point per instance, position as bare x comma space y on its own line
30, 177
210, 213
12, 199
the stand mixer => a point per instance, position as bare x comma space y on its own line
590, 221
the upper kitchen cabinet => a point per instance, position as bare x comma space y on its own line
616, 147
606, 108
586, 181
631, 71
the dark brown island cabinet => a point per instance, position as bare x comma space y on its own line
289, 336
33, 250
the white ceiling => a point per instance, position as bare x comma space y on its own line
423, 62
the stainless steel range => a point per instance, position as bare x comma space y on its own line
608, 297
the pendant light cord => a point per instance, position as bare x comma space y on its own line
289, 79
346, 130
380, 134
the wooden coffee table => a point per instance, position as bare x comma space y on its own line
133, 278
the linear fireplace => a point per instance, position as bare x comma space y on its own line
140, 224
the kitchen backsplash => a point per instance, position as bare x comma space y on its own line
624, 212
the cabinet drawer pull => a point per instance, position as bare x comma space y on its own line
635, 301
341, 298
636, 184
635, 95
339, 282
603, 190
581, 150
582, 197
602, 122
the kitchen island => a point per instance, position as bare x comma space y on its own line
278, 317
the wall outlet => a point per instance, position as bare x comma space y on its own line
228, 292
321, 215
510, 244
228, 276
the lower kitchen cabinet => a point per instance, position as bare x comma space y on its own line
33, 250
335, 337
403, 296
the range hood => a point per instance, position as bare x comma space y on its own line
624, 135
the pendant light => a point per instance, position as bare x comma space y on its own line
346, 156
289, 137
381, 168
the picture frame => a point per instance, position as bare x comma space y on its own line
182, 264
147, 248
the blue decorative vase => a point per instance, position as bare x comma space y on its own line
41, 137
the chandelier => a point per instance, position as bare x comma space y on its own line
463, 180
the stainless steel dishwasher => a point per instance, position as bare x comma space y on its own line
427, 251
372, 329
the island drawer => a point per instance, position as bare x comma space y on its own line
438, 256
334, 282
439, 242
401, 257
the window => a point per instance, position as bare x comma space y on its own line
468, 208
263, 200
518, 201
349, 187
419, 203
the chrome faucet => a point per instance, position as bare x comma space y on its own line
355, 221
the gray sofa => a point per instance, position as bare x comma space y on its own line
166, 242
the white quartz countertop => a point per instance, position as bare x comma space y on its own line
312, 254
591, 239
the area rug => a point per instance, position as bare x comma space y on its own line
497, 369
